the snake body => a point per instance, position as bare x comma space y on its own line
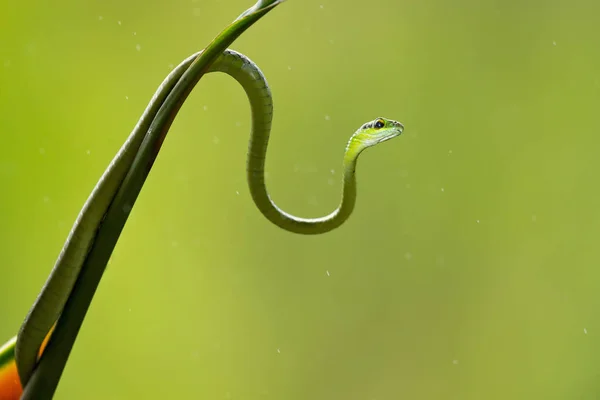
250, 77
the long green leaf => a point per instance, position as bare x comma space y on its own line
46, 376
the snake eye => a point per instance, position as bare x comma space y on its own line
379, 124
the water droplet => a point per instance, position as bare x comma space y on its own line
278, 351
321, 6
215, 140
138, 47
585, 331
533, 218
205, 108
327, 118
237, 192
134, 33
126, 97
332, 171
87, 152
42, 150
119, 22
455, 362
477, 221
100, 18
408, 256
554, 43
289, 67
442, 189
328, 273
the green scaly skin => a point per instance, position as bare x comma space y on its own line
72, 284
250, 77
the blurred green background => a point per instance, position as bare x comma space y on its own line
469, 269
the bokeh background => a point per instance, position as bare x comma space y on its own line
469, 270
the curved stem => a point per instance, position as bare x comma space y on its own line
73, 282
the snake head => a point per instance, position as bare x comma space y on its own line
377, 131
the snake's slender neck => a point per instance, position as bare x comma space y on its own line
250, 77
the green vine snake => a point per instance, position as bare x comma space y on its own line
130, 167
